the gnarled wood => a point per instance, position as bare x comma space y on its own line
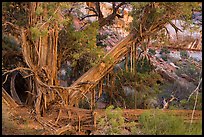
6, 97
96, 73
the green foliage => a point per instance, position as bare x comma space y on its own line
37, 33
164, 50
79, 47
184, 54
190, 70
147, 88
156, 122
99, 39
16, 13
164, 53
136, 13
152, 17
9, 43
11, 53
113, 123
144, 65
39, 11
185, 104
144, 86
152, 52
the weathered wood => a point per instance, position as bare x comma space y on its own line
126, 62
93, 74
6, 97
131, 58
63, 129
100, 88
84, 119
94, 119
13, 90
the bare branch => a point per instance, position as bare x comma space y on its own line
91, 9
19, 68
196, 99
196, 90
93, 15
174, 26
12, 25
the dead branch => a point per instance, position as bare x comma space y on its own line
196, 99
92, 9
45, 124
5, 79
93, 15
18, 68
196, 90
12, 25
174, 26
63, 129
8, 99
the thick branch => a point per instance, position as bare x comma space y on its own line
98, 9
113, 5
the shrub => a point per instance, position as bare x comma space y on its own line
141, 89
152, 52
185, 104
184, 54
164, 50
112, 123
156, 122
144, 65
164, 53
164, 57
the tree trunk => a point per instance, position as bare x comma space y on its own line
41, 54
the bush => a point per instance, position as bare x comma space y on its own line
152, 52
144, 65
113, 123
164, 57
156, 122
190, 104
165, 51
184, 54
139, 90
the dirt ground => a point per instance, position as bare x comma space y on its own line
19, 122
